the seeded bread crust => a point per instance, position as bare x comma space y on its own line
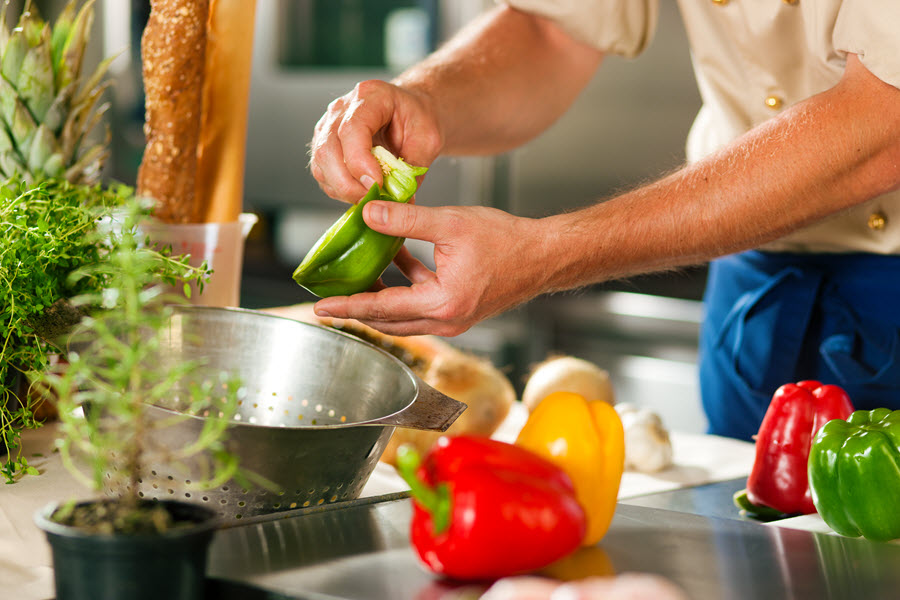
173, 54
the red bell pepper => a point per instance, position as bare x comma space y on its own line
779, 478
484, 509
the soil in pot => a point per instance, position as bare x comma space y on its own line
161, 553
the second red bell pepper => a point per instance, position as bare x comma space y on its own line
797, 411
485, 509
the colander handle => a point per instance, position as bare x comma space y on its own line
431, 410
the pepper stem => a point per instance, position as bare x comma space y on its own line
435, 500
399, 176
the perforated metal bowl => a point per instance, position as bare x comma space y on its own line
318, 409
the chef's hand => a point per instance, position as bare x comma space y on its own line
628, 586
373, 113
486, 261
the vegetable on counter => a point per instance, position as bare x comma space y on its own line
465, 377
485, 509
796, 413
648, 448
854, 474
567, 374
350, 256
586, 439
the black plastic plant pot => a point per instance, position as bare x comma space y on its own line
169, 565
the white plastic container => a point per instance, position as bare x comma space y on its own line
221, 245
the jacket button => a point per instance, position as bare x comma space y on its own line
877, 221
720, 2
790, 1
774, 102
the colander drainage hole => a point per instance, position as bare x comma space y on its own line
223, 501
205, 498
242, 503
276, 505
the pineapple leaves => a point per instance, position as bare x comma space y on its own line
48, 112
72, 52
36, 77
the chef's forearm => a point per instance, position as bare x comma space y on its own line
501, 81
829, 153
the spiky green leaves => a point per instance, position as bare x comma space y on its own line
46, 114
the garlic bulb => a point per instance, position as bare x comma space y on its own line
647, 445
567, 374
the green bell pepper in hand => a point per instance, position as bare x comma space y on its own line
350, 256
854, 474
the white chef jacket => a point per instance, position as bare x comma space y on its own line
753, 59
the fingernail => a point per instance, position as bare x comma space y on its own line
367, 181
321, 312
375, 214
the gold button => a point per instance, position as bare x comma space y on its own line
790, 1
877, 221
720, 2
774, 102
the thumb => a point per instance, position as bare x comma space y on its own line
400, 219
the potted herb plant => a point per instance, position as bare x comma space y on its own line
121, 545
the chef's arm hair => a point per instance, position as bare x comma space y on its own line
823, 155
501, 80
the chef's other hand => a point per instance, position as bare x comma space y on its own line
486, 261
628, 586
373, 113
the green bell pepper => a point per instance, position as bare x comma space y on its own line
350, 256
854, 474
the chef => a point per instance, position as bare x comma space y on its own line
790, 190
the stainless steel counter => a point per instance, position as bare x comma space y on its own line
361, 551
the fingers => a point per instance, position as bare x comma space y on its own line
340, 159
409, 310
328, 167
404, 220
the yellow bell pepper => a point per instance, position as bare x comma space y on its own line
586, 439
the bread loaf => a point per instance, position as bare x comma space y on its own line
173, 51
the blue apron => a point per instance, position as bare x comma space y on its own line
773, 318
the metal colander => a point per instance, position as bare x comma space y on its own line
317, 410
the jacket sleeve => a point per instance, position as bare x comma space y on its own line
871, 29
620, 27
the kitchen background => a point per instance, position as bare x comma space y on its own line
628, 126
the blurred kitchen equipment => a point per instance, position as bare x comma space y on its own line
318, 409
